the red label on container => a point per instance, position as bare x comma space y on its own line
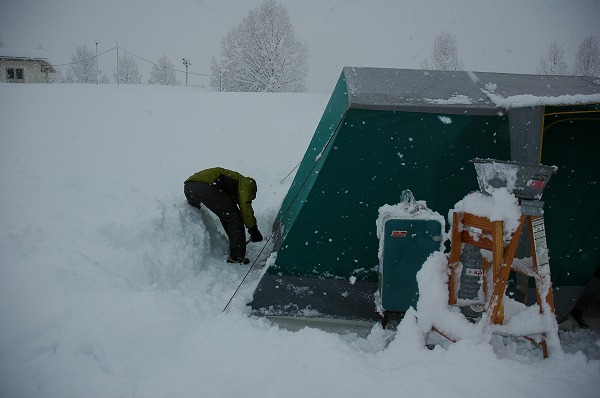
399, 234
538, 181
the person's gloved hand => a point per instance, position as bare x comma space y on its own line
255, 235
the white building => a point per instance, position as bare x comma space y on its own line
24, 66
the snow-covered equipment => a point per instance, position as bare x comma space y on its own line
525, 180
385, 129
480, 223
408, 233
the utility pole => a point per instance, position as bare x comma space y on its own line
97, 71
221, 70
118, 64
186, 62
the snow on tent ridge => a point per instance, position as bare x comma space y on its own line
111, 285
527, 100
455, 99
517, 101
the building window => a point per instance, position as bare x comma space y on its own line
15, 74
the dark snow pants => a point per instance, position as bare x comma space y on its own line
220, 203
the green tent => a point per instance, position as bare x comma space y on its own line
387, 130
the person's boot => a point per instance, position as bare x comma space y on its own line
238, 260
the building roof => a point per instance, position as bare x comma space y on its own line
18, 53
463, 92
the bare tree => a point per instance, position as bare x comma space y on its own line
83, 66
444, 53
163, 73
554, 63
262, 53
587, 58
128, 71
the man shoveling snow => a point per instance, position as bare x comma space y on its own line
229, 195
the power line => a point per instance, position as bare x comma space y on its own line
134, 55
86, 59
155, 64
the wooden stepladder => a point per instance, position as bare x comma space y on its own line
483, 233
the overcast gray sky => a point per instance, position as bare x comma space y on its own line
499, 36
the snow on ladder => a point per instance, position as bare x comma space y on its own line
496, 273
526, 182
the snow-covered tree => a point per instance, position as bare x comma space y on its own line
163, 73
83, 68
444, 53
56, 76
587, 58
554, 63
262, 53
128, 71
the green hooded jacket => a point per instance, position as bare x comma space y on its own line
240, 188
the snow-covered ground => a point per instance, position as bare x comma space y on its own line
111, 285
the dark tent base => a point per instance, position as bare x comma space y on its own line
315, 298
337, 305
333, 305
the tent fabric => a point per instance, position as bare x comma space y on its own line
572, 199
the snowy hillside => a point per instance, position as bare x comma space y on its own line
111, 285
